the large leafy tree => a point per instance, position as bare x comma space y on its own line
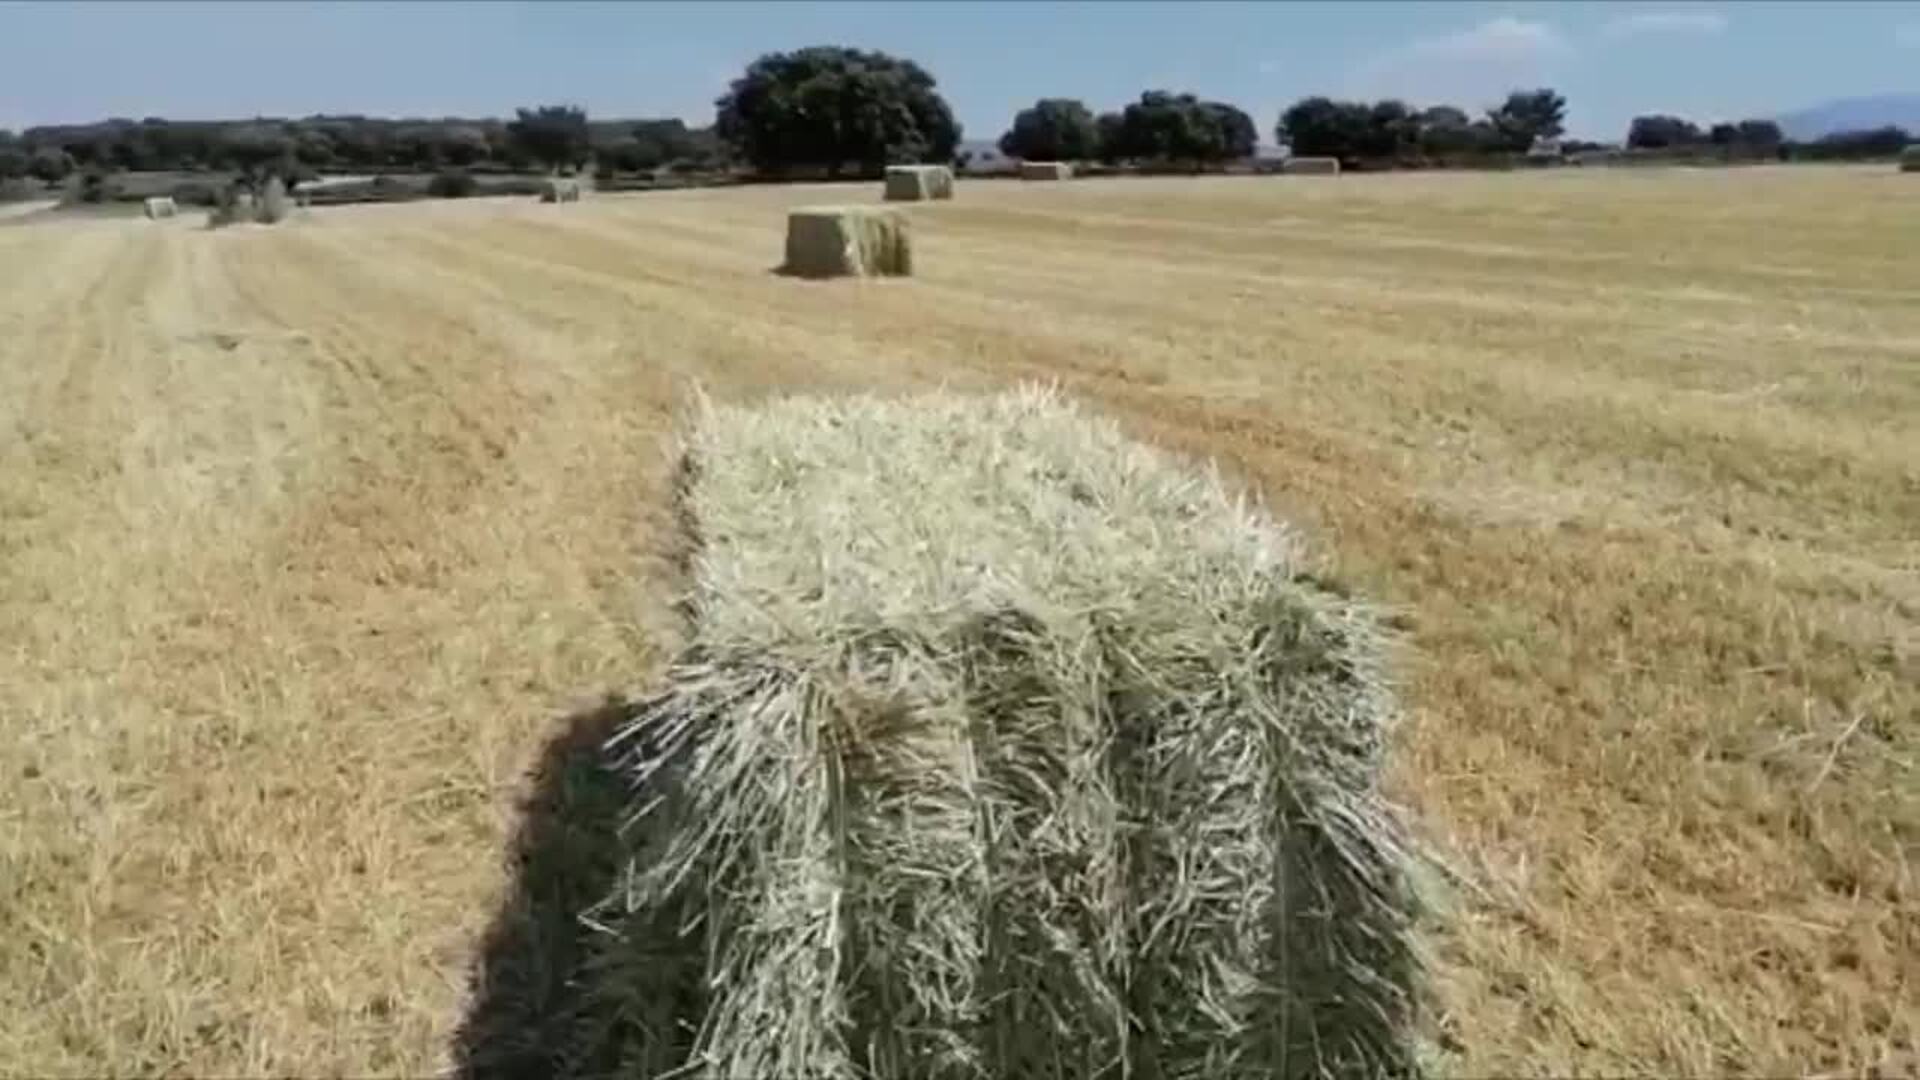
553, 135
830, 107
1238, 135
1054, 129
1180, 127
1758, 133
1658, 132
1323, 127
1527, 115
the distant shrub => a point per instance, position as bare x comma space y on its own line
516, 185
93, 188
453, 184
196, 193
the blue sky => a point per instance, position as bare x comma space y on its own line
66, 62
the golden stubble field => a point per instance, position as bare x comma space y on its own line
312, 539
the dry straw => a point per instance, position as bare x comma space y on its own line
161, 206
1311, 166
560, 189
916, 183
1046, 170
1004, 747
848, 241
274, 205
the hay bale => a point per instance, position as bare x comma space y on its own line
560, 189
161, 206
1910, 158
915, 183
848, 241
1311, 166
1005, 746
1045, 170
274, 205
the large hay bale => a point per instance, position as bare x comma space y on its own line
1910, 158
161, 206
914, 183
1045, 170
1311, 166
560, 189
848, 241
1005, 747
274, 205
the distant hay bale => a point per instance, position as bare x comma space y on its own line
274, 204
1311, 166
1005, 747
239, 206
1046, 170
1910, 158
161, 206
848, 241
915, 183
560, 189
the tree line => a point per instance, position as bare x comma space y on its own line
544, 137
830, 110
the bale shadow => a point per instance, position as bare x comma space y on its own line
540, 1004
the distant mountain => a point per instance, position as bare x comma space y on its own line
1853, 114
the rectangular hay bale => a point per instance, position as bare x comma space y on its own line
916, 183
560, 189
1311, 166
848, 241
1046, 170
1910, 158
161, 206
1005, 746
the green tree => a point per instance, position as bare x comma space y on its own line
1323, 127
829, 107
13, 156
1054, 129
1758, 133
552, 135
1238, 135
1165, 126
1110, 137
1391, 131
1659, 132
1527, 115
49, 164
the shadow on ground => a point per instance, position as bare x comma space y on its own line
554, 994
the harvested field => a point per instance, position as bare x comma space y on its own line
320, 548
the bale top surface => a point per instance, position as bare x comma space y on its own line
848, 210
826, 513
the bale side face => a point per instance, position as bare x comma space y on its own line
1910, 159
274, 204
907, 183
560, 190
1311, 166
848, 241
1045, 170
1006, 747
161, 206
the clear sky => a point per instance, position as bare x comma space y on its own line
78, 61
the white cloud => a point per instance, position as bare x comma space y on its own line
1469, 67
1705, 23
